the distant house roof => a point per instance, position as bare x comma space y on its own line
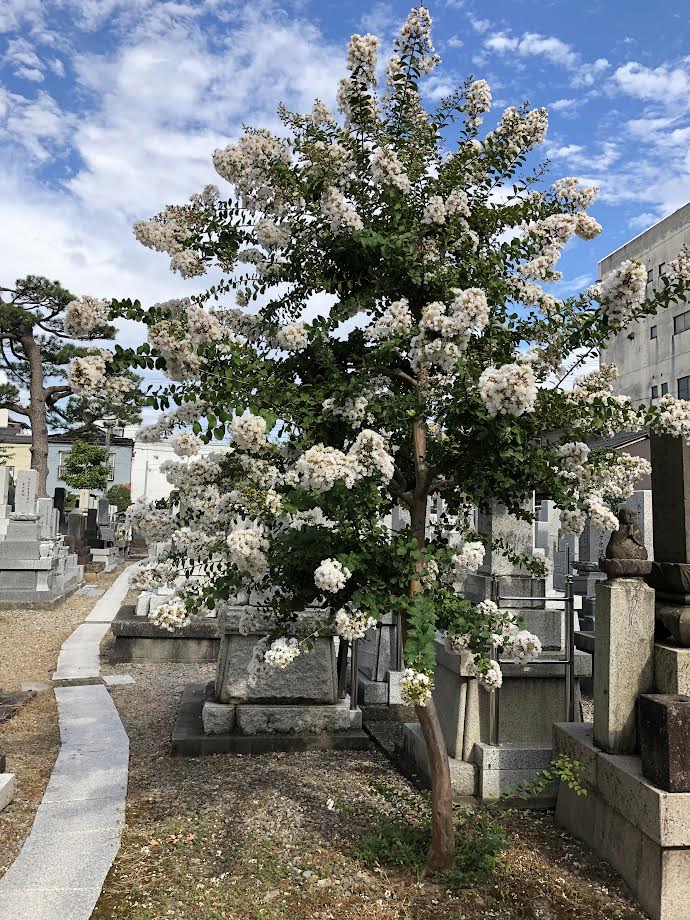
90, 435
622, 439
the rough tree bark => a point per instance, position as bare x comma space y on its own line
442, 852
37, 411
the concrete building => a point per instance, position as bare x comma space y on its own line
119, 456
653, 354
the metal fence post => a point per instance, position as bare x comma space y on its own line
493, 694
354, 675
399, 649
570, 648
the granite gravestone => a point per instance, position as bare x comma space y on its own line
665, 740
59, 497
25, 496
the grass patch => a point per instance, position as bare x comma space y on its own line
479, 841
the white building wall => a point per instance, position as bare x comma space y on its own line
147, 479
649, 353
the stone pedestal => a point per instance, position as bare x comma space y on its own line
624, 664
295, 708
664, 726
640, 830
531, 699
671, 668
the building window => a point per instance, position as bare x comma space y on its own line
681, 322
61, 465
652, 332
655, 392
662, 269
664, 389
650, 275
684, 388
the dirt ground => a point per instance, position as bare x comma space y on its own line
30, 640
262, 838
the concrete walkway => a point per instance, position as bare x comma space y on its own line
61, 868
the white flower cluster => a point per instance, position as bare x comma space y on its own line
203, 327
313, 517
293, 337
468, 559
492, 677
249, 432
467, 313
457, 204
170, 616
508, 390
354, 411
271, 235
320, 467
415, 40
84, 315
600, 515
195, 544
353, 624
569, 191
520, 132
679, 268
415, 687
395, 320
361, 57
434, 211
250, 164
622, 290
248, 549
87, 375
371, 453
331, 576
386, 169
523, 646
456, 643
186, 444
281, 652
339, 212
439, 352
154, 523
674, 417
597, 383
478, 101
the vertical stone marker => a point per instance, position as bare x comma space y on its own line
44, 506
25, 495
624, 631
84, 498
103, 511
5, 507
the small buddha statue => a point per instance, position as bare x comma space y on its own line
626, 554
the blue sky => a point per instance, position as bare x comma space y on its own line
109, 109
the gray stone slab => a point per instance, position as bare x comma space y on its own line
118, 680
296, 720
91, 591
105, 816
8, 785
25, 488
46, 860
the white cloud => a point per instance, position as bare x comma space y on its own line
379, 20
479, 25
661, 84
454, 42
532, 44
588, 74
38, 124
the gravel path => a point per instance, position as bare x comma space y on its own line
256, 838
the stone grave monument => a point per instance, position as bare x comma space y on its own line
532, 696
35, 565
293, 709
628, 819
100, 537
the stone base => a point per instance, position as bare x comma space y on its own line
138, 639
8, 785
463, 775
190, 739
675, 618
671, 668
643, 832
371, 692
255, 719
502, 768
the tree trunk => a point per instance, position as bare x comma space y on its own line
37, 412
442, 852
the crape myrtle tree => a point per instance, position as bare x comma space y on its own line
391, 340
39, 320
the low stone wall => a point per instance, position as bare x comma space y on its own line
137, 638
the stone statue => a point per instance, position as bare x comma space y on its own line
626, 554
